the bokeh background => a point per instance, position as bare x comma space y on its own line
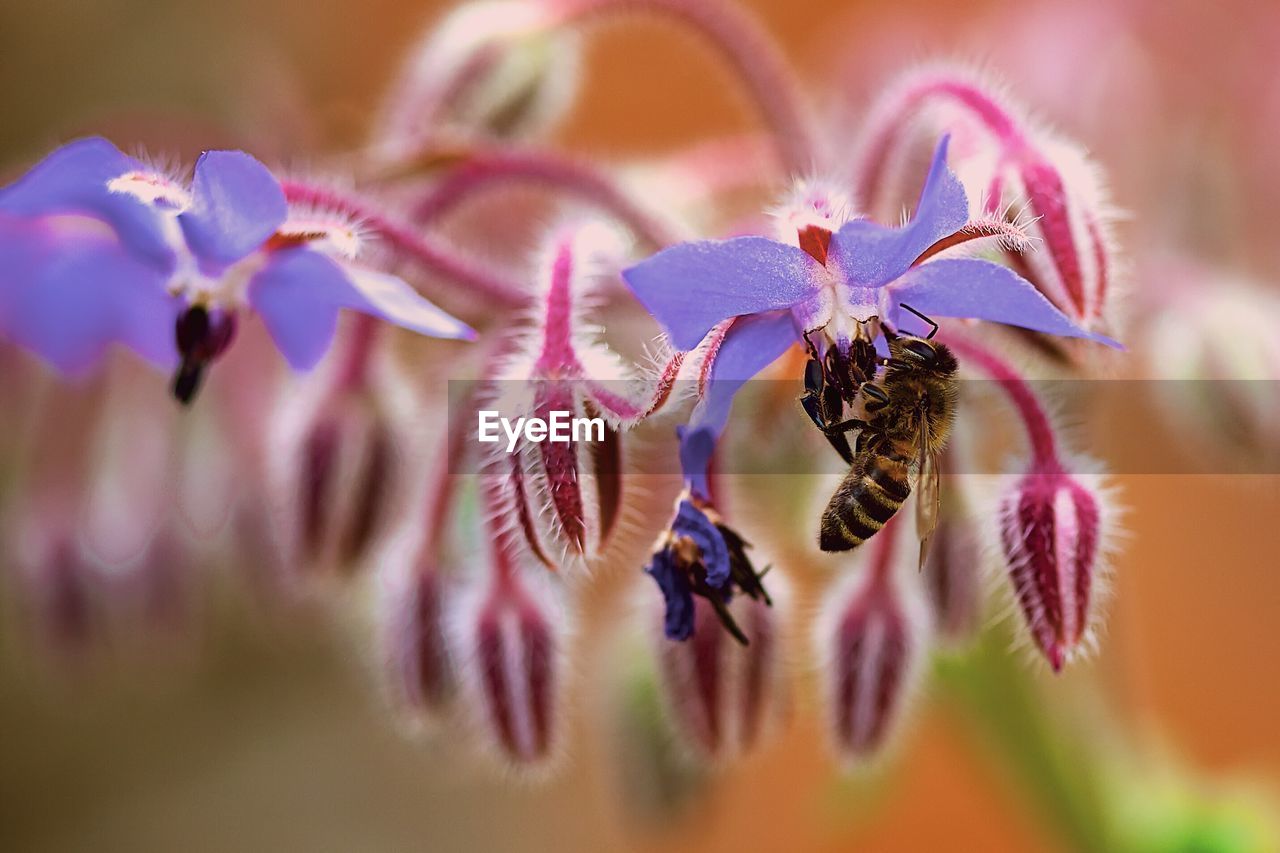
258, 735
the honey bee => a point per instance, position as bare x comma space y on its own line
908, 418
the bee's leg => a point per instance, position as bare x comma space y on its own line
816, 401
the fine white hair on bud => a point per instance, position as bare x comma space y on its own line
509, 631
566, 493
339, 441
871, 639
413, 598
725, 699
1013, 168
490, 68
1057, 525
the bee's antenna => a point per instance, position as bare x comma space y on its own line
932, 331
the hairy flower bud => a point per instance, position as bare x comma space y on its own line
1019, 171
340, 444
952, 576
492, 67
413, 639
872, 637
1051, 531
566, 494
509, 643
724, 697
1213, 337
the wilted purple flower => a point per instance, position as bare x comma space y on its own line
699, 554
722, 696
98, 248
872, 638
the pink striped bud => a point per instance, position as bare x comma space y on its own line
872, 637
1013, 169
1216, 332
339, 446
952, 578
413, 639
724, 698
509, 645
566, 494
494, 68
1051, 534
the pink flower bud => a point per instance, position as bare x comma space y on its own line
872, 637
492, 67
724, 697
1051, 530
413, 640
1013, 169
566, 494
952, 578
1212, 337
340, 444
509, 633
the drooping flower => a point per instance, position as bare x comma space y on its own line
98, 248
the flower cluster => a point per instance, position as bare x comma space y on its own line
478, 557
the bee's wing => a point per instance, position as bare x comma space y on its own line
927, 490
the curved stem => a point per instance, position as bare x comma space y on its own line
495, 169
748, 49
1039, 429
882, 557
433, 257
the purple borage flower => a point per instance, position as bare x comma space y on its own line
753, 298
97, 248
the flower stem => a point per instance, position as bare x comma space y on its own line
496, 169
749, 51
1039, 428
433, 257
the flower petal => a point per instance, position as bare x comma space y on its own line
236, 204
693, 522
872, 255
751, 344
966, 287
677, 593
299, 292
75, 179
694, 286
68, 292
393, 300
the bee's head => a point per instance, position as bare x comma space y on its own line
931, 356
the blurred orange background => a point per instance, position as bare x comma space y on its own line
273, 739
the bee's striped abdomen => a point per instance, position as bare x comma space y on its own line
872, 492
